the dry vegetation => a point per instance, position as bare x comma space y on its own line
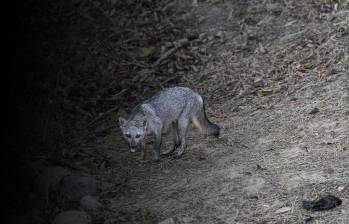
262, 67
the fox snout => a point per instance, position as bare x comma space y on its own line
133, 146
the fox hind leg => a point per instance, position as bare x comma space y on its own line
175, 138
183, 123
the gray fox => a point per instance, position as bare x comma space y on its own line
174, 108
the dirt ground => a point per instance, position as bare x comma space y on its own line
274, 75
274, 151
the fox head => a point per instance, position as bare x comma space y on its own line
133, 131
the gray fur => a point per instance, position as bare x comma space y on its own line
175, 108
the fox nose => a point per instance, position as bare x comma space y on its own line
133, 145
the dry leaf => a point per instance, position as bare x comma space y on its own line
302, 67
145, 51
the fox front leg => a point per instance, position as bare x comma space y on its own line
143, 151
157, 146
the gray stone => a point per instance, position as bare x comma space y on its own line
30, 218
168, 221
283, 210
74, 187
92, 206
72, 217
49, 179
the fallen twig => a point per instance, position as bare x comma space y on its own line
101, 115
178, 45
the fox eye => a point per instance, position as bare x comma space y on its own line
137, 136
128, 135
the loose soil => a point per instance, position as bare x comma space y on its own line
273, 152
262, 68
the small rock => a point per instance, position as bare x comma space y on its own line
340, 188
74, 187
168, 221
219, 34
92, 206
49, 179
266, 92
283, 210
72, 217
314, 111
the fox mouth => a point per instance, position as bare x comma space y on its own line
133, 149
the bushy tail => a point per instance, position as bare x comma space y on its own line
201, 121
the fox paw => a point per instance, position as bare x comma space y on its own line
169, 152
176, 156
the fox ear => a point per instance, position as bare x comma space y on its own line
122, 122
148, 110
144, 122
